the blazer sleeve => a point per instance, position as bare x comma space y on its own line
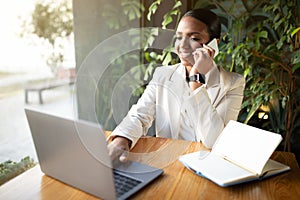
140, 116
209, 119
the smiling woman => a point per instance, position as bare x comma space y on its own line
183, 105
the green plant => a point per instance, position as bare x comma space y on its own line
267, 54
116, 21
10, 169
261, 40
139, 64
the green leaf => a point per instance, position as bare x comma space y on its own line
254, 108
153, 8
177, 4
277, 24
246, 72
10, 169
153, 55
167, 20
296, 57
167, 59
132, 9
149, 37
281, 42
263, 34
296, 66
295, 31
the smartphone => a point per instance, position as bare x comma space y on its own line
214, 45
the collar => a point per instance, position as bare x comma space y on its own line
212, 77
178, 70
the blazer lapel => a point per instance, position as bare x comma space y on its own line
213, 84
175, 91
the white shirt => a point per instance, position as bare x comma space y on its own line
180, 113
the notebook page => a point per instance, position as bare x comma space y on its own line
246, 146
215, 168
273, 167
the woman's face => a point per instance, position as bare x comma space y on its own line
190, 35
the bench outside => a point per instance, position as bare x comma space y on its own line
49, 84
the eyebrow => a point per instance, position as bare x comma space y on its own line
191, 33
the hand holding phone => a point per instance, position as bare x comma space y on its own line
203, 62
214, 45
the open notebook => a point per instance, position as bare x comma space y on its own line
240, 154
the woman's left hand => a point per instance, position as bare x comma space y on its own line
203, 59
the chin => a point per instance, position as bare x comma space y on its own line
186, 63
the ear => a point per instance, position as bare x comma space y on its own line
218, 40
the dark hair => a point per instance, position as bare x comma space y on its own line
209, 18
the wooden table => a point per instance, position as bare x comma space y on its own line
176, 183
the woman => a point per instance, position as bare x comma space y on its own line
192, 100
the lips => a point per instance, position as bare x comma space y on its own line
185, 54
186, 57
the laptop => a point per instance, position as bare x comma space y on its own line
75, 152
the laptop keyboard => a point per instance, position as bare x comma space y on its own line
124, 183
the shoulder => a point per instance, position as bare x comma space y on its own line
165, 71
168, 69
231, 78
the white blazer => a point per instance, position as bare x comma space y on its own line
208, 109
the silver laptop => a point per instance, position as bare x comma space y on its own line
75, 152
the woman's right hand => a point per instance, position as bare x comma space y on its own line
119, 147
203, 59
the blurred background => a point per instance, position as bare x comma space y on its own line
44, 43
